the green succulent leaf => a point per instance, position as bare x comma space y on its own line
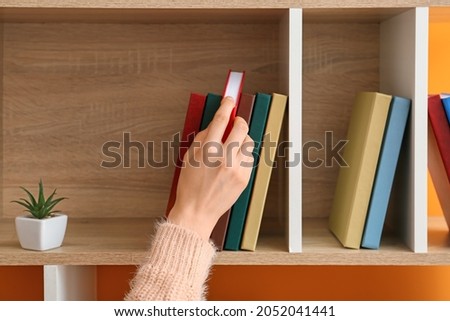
53, 204
41, 212
41, 207
26, 201
30, 208
32, 199
41, 200
49, 199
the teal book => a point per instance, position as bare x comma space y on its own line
384, 177
446, 103
239, 209
212, 104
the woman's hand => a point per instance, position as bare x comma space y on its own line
214, 173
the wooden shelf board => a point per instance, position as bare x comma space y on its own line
145, 15
439, 3
134, 11
123, 241
216, 4
350, 15
320, 247
362, 4
155, 4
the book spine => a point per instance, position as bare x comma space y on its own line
355, 181
262, 178
233, 88
441, 129
384, 178
437, 174
239, 209
212, 104
446, 103
191, 127
220, 229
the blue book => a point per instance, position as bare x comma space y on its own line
239, 210
446, 103
384, 177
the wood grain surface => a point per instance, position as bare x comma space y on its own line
142, 4
217, 4
1, 119
339, 59
124, 241
69, 88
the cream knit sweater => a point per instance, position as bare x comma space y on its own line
176, 267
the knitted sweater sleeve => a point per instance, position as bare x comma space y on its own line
176, 267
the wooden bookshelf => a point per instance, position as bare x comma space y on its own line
76, 74
121, 241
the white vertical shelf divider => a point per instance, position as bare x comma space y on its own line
70, 283
404, 72
294, 23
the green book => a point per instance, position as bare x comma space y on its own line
212, 104
238, 212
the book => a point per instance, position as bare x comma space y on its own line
212, 104
239, 209
200, 118
233, 88
441, 129
355, 181
384, 177
219, 232
263, 173
192, 122
446, 102
438, 175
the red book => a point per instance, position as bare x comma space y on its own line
220, 230
441, 129
191, 128
437, 173
233, 88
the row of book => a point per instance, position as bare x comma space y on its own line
439, 149
239, 227
375, 135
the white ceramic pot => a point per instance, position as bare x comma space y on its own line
41, 235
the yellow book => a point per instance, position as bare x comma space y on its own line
263, 172
354, 184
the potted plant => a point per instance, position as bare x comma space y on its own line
42, 228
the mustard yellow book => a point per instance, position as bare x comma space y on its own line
354, 183
263, 172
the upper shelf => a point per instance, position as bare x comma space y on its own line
124, 241
184, 4
246, 13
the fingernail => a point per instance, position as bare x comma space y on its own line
229, 98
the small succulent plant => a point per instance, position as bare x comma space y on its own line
40, 208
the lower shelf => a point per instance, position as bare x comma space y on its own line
123, 241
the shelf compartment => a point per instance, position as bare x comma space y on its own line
70, 85
381, 50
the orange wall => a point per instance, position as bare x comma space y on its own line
21, 283
306, 283
290, 282
439, 82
